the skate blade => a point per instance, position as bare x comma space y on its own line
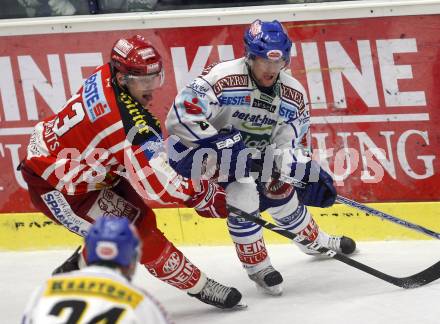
321, 256
273, 291
240, 306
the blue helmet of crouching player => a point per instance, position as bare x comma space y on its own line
113, 241
268, 40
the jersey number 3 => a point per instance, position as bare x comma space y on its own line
73, 114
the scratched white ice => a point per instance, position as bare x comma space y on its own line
316, 291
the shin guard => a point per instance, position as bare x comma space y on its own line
294, 216
164, 261
175, 269
249, 244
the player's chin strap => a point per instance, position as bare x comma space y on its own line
419, 279
369, 210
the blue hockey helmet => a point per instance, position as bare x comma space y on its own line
114, 240
268, 40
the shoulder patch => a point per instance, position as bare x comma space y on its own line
94, 98
200, 87
294, 96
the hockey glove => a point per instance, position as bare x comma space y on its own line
228, 143
318, 189
210, 201
274, 193
180, 156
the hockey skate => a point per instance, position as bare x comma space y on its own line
214, 293
339, 244
268, 281
71, 264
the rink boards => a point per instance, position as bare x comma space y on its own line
34, 231
349, 55
371, 70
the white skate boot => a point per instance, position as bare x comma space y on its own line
339, 244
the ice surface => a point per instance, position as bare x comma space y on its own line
316, 291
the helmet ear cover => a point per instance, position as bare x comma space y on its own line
268, 40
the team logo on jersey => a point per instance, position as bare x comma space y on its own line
234, 100
62, 211
288, 114
294, 96
136, 117
257, 103
192, 107
94, 98
109, 203
266, 97
253, 120
37, 147
203, 125
199, 88
231, 81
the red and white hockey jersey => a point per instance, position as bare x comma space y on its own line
101, 134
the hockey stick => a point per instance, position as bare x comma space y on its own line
369, 210
419, 279
375, 212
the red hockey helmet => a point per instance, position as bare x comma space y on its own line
136, 56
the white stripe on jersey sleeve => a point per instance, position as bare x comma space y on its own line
89, 149
167, 177
147, 190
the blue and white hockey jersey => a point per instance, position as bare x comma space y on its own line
225, 94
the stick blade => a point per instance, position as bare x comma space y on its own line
422, 278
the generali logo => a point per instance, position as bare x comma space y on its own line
231, 81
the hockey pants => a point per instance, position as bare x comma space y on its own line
78, 212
